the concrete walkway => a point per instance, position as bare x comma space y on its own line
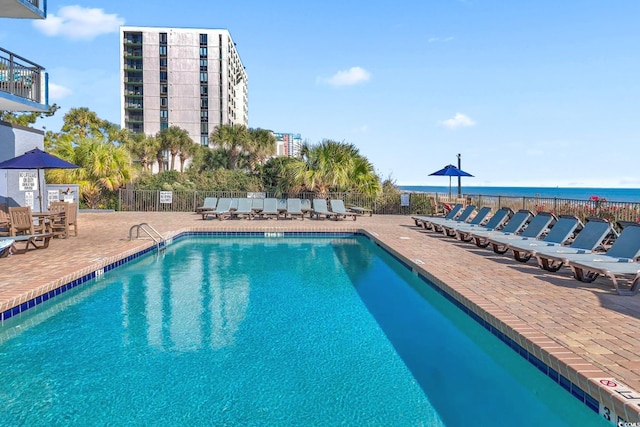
585, 332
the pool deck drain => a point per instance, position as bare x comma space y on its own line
586, 332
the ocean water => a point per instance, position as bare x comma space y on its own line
611, 194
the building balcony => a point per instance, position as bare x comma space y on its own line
23, 84
28, 9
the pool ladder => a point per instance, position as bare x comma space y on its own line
149, 231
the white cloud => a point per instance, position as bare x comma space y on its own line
439, 39
57, 92
76, 22
459, 120
352, 76
361, 129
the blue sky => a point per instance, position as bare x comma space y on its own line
530, 92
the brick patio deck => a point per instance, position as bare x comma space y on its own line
584, 331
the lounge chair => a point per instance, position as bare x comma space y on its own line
209, 204
320, 208
561, 231
305, 205
424, 220
534, 229
437, 224
294, 208
496, 222
515, 224
257, 204
244, 209
30, 241
270, 208
222, 210
6, 247
624, 250
589, 238
337, 207
478, 219
282, 206
360, 210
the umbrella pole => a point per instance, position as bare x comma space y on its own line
449, 188
39, 190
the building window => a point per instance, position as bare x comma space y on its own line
164, 114
203, 77
164, 125
164, 101
164, 89
204, 102
163, 76
204, 140
204, 128
204, 90
163, 62
203, 64
163, 38
163, 51
203, 39
203, 52
204, 116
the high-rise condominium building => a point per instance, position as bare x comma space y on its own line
186, 77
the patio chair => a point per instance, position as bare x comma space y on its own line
23, 230
320, 208
496, 222
590, 237
244, 209
478, 219
4, 224
209, 204
257, 204
436, 223
424, 220
65, 219
270, 208
338, 208
294, 208
305, 205
534, 229
561, 231
514, 226
625, 249
222, 210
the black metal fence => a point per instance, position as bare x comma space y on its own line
409, 203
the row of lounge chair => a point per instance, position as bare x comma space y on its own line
590, 250
224, 208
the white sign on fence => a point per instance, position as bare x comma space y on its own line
53, 196
166, 197
404, 199
28, 181
29, 199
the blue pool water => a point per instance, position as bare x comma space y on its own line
267, 332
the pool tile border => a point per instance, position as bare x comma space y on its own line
446, 291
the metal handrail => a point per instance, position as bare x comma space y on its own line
146, 227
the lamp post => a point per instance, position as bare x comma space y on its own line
459, 178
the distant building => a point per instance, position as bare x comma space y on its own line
186, 77
288, 144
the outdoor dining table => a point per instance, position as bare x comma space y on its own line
46, 219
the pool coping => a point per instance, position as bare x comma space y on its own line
582, 379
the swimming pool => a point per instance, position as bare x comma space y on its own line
267, 331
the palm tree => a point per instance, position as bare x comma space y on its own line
234, 139
331, 166
144, 147
262, 145
172, 139
82, 122
187, 151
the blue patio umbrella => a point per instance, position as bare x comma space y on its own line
37, 159
450, 171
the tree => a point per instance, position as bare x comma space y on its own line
331, 166
173, 139
187, 151
261, 145
82, 122
144, 147
234, 139
26, 119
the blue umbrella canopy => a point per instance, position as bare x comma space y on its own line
37, 159
450, 171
